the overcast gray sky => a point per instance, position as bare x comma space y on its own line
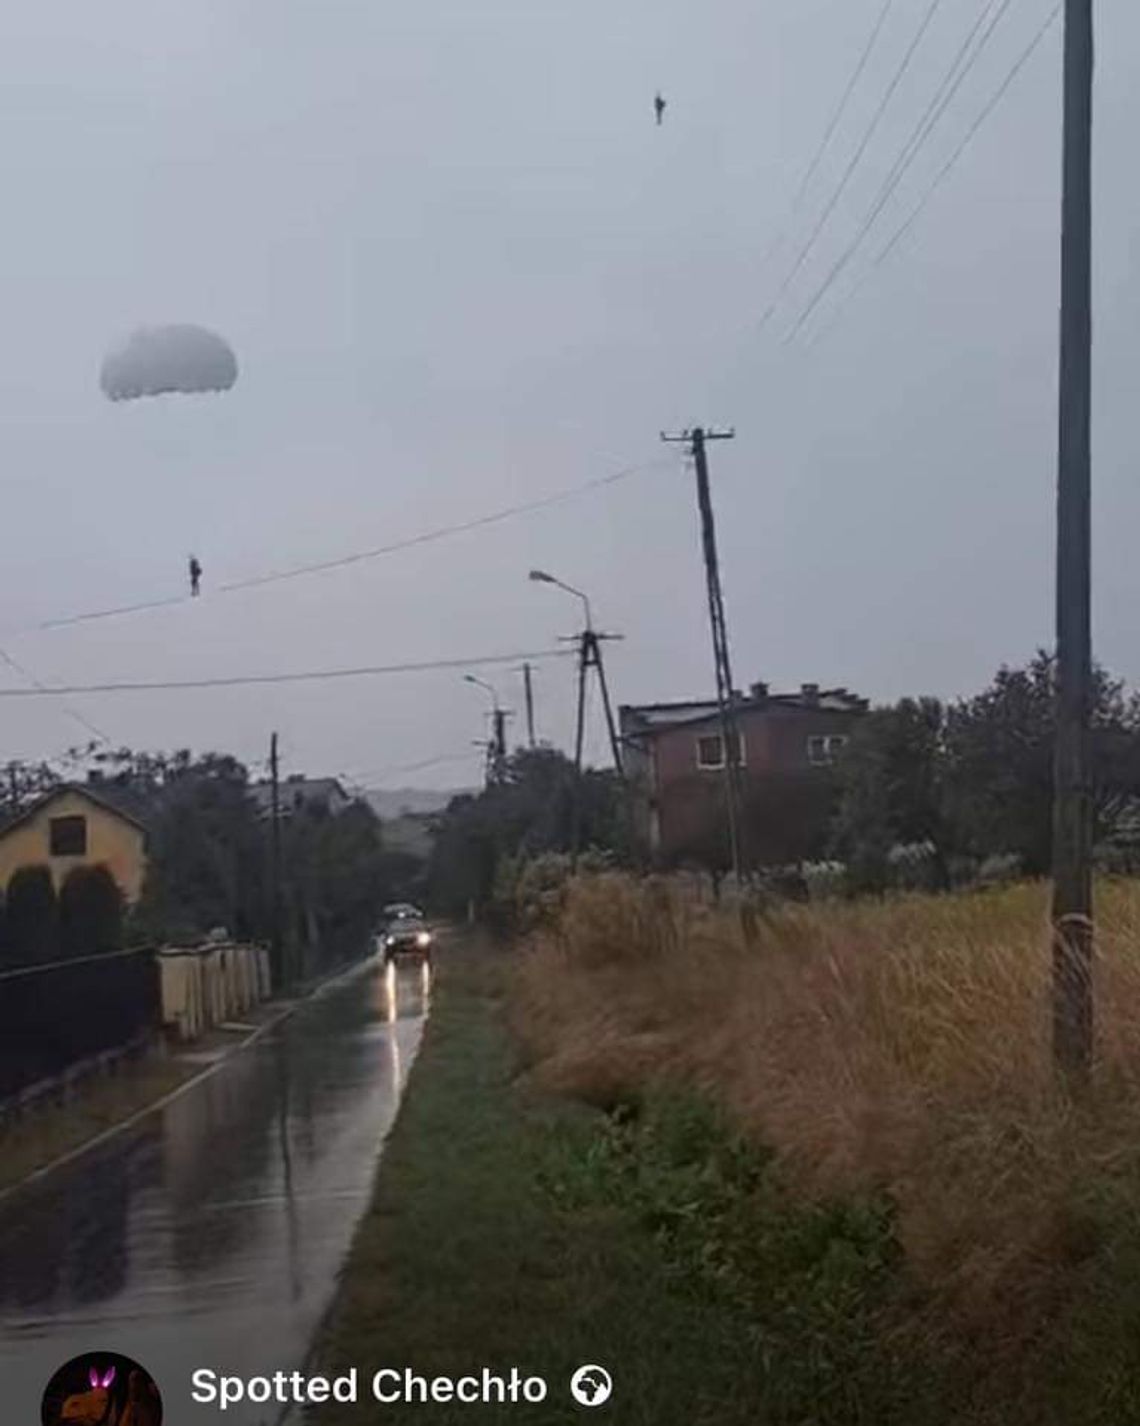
462, 268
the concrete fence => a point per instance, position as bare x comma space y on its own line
204, 986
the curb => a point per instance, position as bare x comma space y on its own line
311, 992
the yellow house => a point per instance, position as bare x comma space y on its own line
76, 826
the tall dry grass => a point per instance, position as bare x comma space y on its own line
902, 1047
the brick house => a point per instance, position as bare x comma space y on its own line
674, 757
298, 793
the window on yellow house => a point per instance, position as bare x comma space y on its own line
68, 836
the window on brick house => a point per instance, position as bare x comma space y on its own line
68, 836
710, 751
824, 748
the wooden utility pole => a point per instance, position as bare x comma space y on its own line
726, 702
276, 948
1072, 816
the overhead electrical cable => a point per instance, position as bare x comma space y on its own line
829, 133
308, 676
841, 187
961, 66
356, 557
944, 172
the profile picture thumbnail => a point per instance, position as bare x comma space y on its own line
101, 1389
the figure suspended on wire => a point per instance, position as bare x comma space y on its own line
195, 576
659, 108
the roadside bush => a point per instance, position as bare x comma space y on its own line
530, 892
824, 880
811, 1277
90, 913
31, 916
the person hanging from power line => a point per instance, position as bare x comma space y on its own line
659, 108
195, 576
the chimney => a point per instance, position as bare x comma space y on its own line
809, 692
759, 692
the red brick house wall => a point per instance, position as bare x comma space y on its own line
787, 796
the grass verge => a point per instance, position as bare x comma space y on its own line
484, 1247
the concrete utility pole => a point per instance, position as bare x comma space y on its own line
276, 950
500, 741
526, 670
696, 440
496, 745
589, 643
1072, 815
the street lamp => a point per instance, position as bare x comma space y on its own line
480, 683
497, 746
540, 576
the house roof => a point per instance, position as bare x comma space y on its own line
114, 800
643, 718
310, 789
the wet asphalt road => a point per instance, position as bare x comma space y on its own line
210, 1235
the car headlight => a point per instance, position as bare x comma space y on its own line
423, 939
389, 940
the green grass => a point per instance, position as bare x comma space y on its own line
468, 1259
511, 1230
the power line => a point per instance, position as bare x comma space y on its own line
420, 766
944, 172
357, 557
829, 132
841, 187
72, 713
961, 66
309, 676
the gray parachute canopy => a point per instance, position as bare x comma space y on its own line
156, 360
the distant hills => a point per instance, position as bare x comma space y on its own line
410, 801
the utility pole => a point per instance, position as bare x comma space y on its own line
526, 670
496, 745
696, 440
1072, 819
276, 956
499, 741
589, 643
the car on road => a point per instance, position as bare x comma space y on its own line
398, 910
406, 936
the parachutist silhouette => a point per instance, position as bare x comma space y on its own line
659, 107
195, 576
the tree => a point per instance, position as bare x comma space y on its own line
207, 862
892, 791
90, 913
999, 761
23, 783
334, 882
530, 812
31, 916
